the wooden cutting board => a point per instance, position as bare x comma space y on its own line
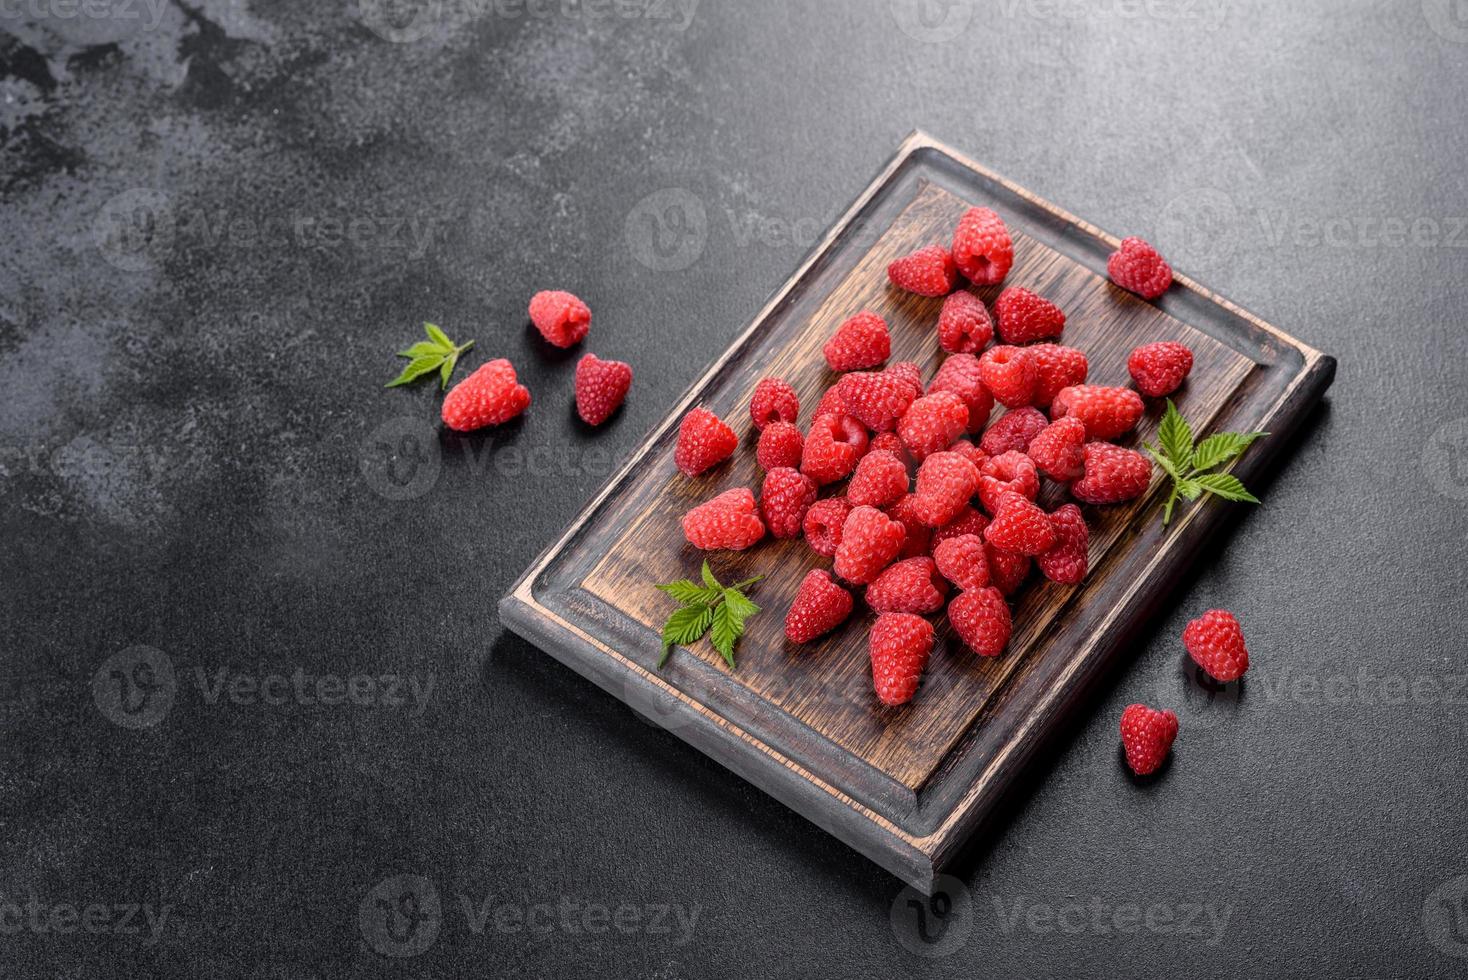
904, 786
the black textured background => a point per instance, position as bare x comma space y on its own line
220, 220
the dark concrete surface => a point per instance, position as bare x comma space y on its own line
222, 218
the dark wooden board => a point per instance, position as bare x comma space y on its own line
905, 786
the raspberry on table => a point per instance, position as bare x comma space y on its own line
1013, 431
1112, 475
900, 644
876, 399
879, 481
945, 482
1069, 559
870, 540
490, 396
832, 448
964, 561
859, 343
1011, 472
831, 403
964, 324
982, 620
933, 423
1140, 268
1215, 641
780, 444
1159, 369
982, 247
1007, 570
1056, 367
823, 525
704, 441
820, 606
912, 585
889, 442
918, 535
1059, 449
968, 521
1108, 413
970, 452
1025, 317
562, 319
1020, 527
961, 375
1010, 375
773, 401
928, 272
909, 373
729, 522
601, 387
784, 499
1147, 735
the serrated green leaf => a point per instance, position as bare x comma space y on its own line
689, 593
726, 631
1223, 447
1176, 437
1227, 486
446, 372
438, 336
739, 605
1191, 489
708, 577
416, 369
1163, 461
687, 625
424, 349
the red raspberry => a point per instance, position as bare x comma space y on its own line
773, 401
1008, 570
964, 561
869, 541
1009, 374
981, 619
1025, 317
833, 447
489, 396
945, 482
1056, 367
562, 319
823, 524
1112, 475
1107, 412
889, 442
1020, 527
900, 644
932, 423
928, 272
1013, 431
601, 387
1159, 369
1059, 449
1068, 561
1140, 268
961, 375
820, 606
919, 535
1011, 472
1147, 735
831, 403
982, 248
909, 373
970, 452
964, 325
1215, 641
968, 521
910, 586
728, 522
780, 444
876, 399
861, 342
880, 480
704, 441
784, 499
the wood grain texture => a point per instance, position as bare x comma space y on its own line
904, 785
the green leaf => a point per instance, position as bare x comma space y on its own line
446, 372
1227, 486
708, 577
416, 369
727, 629
1190, 489
687, 625
739, 605
1163, 461
438, 336
689, 593
1224, 447
1176, 437
424, 349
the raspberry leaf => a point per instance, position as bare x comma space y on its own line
1224, 447
690, 593
1176, 437
1227, 486
1189, 465
708, 577
437, 353
686, 626
704, 608
727, 630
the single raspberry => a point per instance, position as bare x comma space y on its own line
728, 522
964, 561
823, 524
1013, 431
859, 343
982, 248
1009, 374
909, 586
1108, 413
1007, 570
870, 541
831, 403
780, 444
1056, 367
1215, 641
784, 499
961, 375
601, 386
981, 619
820, 606
833, 447
773, 401
1147, 734
1159, 369
968, 521
900, 644
964, 324
1067, 561
889, 442
932, 423
1140, 268
1059, 449
919, 536
562, 319
970, 452
928, 272
1025, 317
1112, 475
489, 396
945, 482
879, 481
1011, 472
1020, 527
704, 441
909, 373
876, 399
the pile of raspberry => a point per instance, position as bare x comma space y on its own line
927, 505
